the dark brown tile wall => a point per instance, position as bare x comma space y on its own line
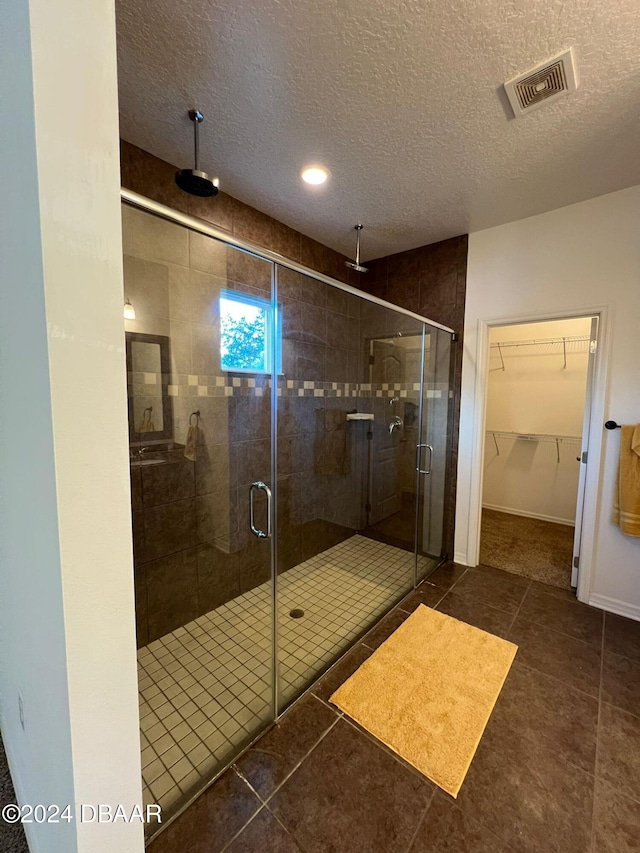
431, 281
192, 548
154, 178
174, 505
318, 460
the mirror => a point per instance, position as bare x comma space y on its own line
145, 357
148, 369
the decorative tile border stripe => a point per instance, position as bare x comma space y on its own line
192, 385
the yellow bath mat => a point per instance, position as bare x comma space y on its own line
427, 693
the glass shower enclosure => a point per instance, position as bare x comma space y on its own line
289, 462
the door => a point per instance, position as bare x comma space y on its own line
233, 471
335, 576
432, 470
387, 361
586, 423
200, 446
394, 376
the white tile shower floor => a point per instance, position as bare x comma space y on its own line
206, 688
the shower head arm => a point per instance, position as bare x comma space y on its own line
196, 117
358, 229
356, 265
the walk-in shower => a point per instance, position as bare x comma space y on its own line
289, 464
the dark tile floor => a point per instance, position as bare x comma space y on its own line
557, 770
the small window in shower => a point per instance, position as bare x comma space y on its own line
246, 333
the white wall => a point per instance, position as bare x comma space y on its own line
67, 636
535, 394
574, 260
32, 643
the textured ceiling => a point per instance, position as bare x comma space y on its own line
400, 99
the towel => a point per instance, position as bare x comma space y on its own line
192, 443
331, 456
147, 423
626, 501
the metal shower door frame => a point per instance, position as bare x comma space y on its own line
192, 223
141, 202
421, 445
275, 338
418, 473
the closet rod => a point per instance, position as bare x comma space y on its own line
500, 345
541, 341
534, 436
537, 437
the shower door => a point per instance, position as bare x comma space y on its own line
394, 374
202, 517
320, 475
347, 430
433, 467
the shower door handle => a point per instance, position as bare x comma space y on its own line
259, 485
430, 449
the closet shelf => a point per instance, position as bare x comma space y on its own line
534, 342
570, 341
534, 436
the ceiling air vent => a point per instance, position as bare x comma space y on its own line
543, 84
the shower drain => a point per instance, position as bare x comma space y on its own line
296, 613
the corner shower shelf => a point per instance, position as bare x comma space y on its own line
359, 416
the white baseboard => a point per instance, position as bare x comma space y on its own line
614, 605
571, 522
460, 558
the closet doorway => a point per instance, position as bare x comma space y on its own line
537, 423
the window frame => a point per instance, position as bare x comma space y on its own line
271, 329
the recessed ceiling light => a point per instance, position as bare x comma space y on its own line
314, 175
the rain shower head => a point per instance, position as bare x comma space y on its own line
356, 265
196, 183
193, 181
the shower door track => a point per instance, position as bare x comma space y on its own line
194, 224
